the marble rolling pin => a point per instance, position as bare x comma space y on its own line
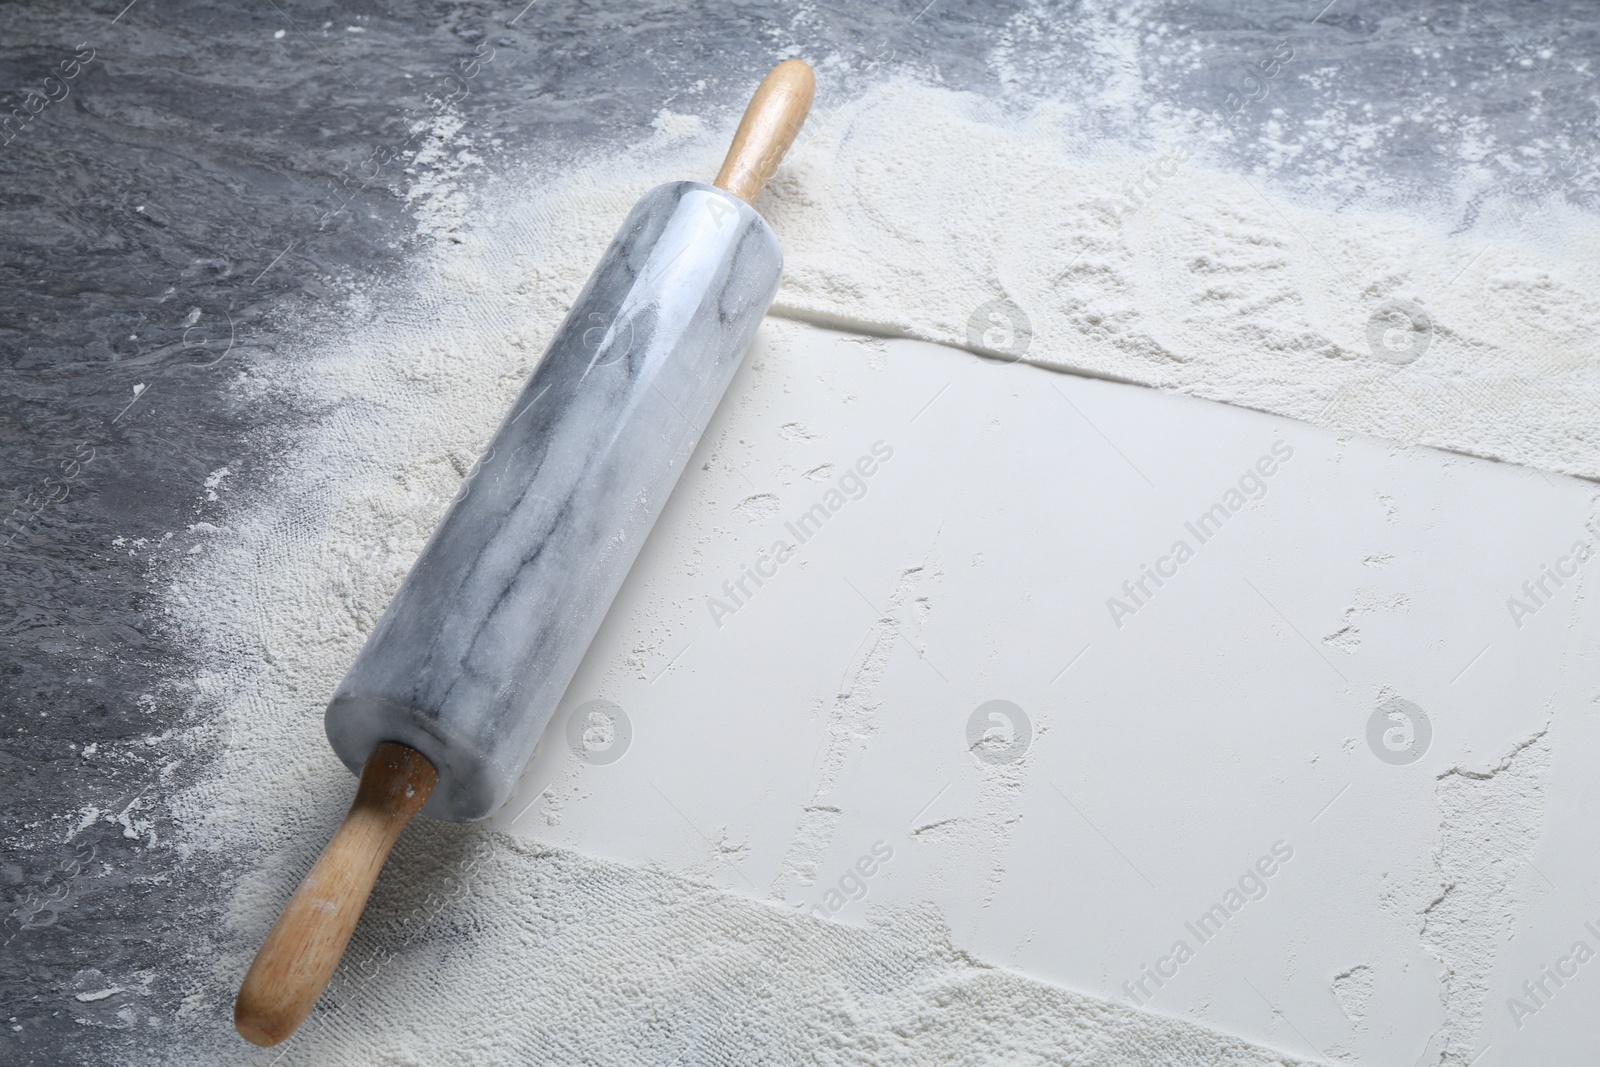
446, 701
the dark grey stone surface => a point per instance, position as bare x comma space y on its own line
169, 204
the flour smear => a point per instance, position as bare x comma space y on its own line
904, 212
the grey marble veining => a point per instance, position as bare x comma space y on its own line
470, 659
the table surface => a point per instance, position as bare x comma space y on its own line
1327, 683
181, 180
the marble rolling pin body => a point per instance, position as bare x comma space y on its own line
477, 647
448, 697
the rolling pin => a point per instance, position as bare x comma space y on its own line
443, 706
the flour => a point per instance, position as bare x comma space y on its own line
1203, 283
592, 962
1489, 827
905, 212
902, 213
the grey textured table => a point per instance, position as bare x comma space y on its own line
181, 179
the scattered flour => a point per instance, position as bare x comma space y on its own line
1348, 637
902, 213
852, 721
594, 962
905, 212
1353, 990
1489, 827
671, 127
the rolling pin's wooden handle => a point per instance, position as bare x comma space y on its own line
768, 128
300, 954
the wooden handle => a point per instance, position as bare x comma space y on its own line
768, 128
300, 954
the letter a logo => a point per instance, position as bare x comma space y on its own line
720, 209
